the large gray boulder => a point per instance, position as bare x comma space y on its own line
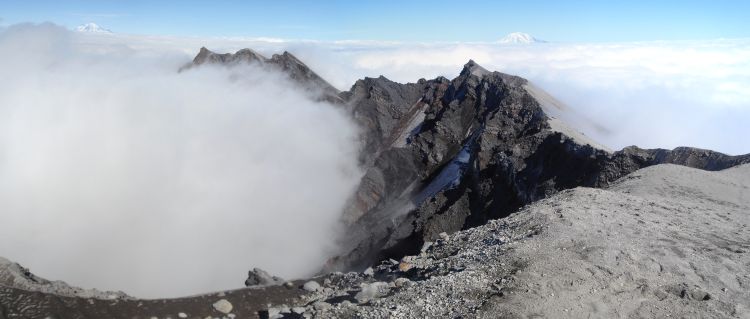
260, 277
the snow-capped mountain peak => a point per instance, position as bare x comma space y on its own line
519, 38
92, 27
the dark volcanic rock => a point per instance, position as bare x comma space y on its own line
285, 62
445, 155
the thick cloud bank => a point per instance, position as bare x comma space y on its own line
651, 94
654, 94
117, 172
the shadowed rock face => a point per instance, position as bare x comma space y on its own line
440, 156
445, 155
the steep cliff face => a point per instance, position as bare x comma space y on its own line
445, 155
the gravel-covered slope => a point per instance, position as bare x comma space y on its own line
666, 241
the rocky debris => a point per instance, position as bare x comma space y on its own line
223, 306
666, 241
246, 303
484, 146
259, 277
369, 291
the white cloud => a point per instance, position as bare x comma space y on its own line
99, 128
651, 94
117, 172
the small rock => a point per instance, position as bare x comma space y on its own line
274, 313
404, 266
223, 306
369, 271
182, 315
311, 286
400, 282
372, 291
298, 310
285, 309
321, 305
444, 236
426, 246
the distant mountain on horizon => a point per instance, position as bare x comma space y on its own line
92, 28
520, 38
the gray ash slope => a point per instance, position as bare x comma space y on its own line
441, 156
665, 241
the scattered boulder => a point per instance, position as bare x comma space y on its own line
223, 306
400, 282
321, 305
371, 291
311, 286
369, 272
259, 277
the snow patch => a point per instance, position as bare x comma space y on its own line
92, 28
519, 38
451, 174
413, 127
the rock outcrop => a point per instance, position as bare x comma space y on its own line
444, 155
259, 278
444, 160
13, 275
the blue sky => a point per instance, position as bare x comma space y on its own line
435, 20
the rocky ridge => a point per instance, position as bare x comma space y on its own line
285, 63
16, 276
442, 157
